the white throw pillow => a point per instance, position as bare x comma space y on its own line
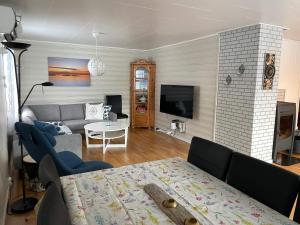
94, 111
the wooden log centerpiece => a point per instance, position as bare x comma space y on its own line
175, 211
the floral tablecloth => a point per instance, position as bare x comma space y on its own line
116, 196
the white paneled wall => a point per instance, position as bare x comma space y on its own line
114, 81
289, 74
193, 63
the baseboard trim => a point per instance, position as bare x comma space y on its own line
165, 131
182, 138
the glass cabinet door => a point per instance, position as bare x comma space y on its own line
141, 78
141, 89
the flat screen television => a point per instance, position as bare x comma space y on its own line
177, 100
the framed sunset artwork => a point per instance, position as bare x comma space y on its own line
68, 72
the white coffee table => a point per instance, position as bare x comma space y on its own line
106, 131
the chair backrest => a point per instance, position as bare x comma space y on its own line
48, 173
116, 103
38, 145
267, 183
53, 210
210, 157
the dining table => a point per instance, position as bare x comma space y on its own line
116, 196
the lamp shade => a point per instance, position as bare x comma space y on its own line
46, 84
16, 45
96, 67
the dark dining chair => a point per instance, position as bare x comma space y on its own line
48, 173
116, 105
267, 183
52, 210
210, 157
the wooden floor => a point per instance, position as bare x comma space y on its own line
143, 145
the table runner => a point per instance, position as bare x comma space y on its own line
116, 196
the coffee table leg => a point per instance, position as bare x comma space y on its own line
87, 138
126, 137
104, 145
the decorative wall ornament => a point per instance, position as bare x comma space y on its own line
241, 69
68, 71
269, 71
228, 80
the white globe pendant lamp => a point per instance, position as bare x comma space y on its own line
96, 66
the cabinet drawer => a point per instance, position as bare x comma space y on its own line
141, 120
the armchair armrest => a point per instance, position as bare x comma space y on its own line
89, 166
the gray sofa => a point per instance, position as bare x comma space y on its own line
72, 115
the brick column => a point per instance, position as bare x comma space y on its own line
245, 115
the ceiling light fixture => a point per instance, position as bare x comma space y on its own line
95, 66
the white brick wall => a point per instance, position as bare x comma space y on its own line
245, 112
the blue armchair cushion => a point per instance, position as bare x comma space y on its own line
46, 127
50, 138
70, 159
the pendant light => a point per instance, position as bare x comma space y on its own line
95, 66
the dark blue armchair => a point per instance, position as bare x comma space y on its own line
39, 144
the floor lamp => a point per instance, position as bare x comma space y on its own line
24, 204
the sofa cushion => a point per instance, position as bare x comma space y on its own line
91, 103
107, 109
71, 112
94, 111
76, 124
46, 112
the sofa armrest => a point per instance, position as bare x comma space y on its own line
28, 115
71, 142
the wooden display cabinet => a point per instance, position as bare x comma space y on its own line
142, 88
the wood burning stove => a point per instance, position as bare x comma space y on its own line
284, 134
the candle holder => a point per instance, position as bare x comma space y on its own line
170, 203
191, 221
